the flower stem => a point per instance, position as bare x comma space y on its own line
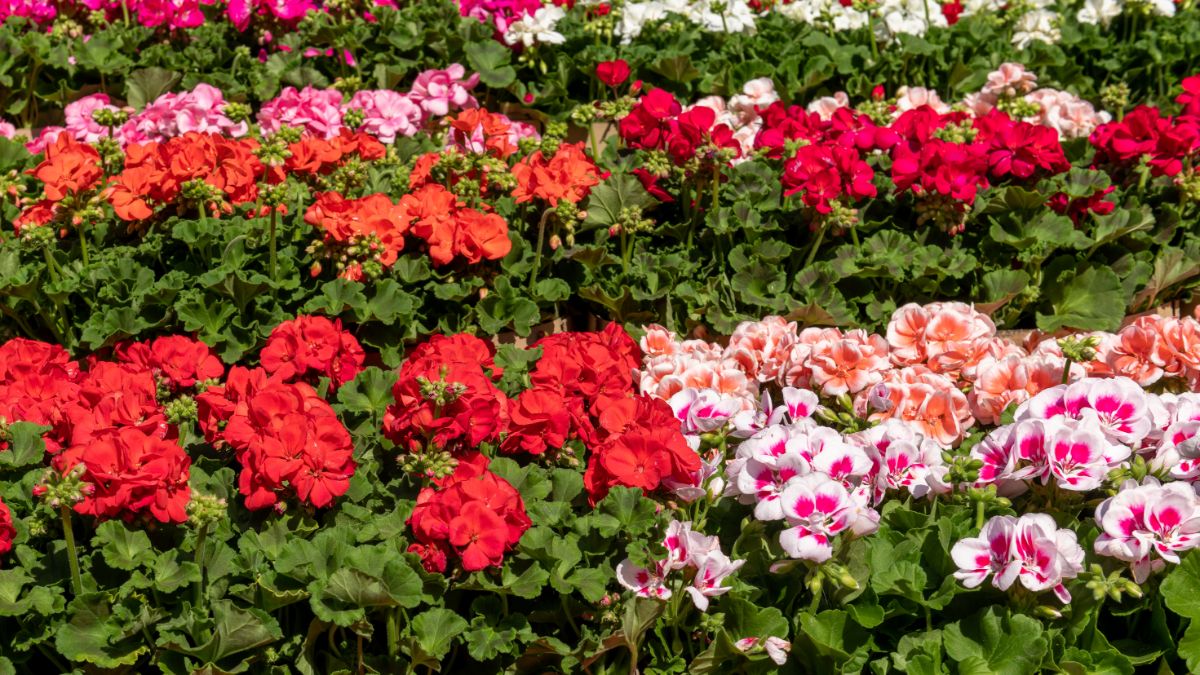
83, 247
72, 551
812, 251
198, 595
393, 635
273, 254
537, 254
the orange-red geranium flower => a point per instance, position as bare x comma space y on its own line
70, 167
570, 174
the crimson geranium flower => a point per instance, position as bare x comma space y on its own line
7, 532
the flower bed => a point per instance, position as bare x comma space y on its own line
464, 508
598, 337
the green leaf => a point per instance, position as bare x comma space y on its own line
631, 513
144, 85
1090, 299
94, 635
26, 447
1181, 588
123, 548
491, 60
608, 199
370, 392
996, 641
1076, 661
592, 583
436, 629
234, 631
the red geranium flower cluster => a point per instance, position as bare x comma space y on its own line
577, 376
68, 172
1190, 98
204, 169
178, 361
658, 122
114, 427
286, 437
1019, 148
567, 176
648, 125
131, 471
309, 347
1164, 141
937, 167
37, 380
826, 173
473, 513
848, 128
639, 445
446, 396
583, 389
7, 532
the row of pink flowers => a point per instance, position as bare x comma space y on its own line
177, 14
385, 114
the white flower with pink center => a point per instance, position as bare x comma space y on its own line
643, 582
998, 452
1124, 411
776, 647
686, 549
1148, 525
817, 509
986, 555
703, 410
1178, 450
708, 481
711, 572
762, 485
1031, 549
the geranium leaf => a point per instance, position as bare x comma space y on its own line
436, 630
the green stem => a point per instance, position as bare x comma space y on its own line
273, 216
1066, 375
815, 604
393, 636
567, 613
198, 594
626, 253
83, 247
979, 514
72, 552
812, 251
537, 254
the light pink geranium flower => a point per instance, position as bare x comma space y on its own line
80, 121
763, 348
317, 111
850, 364
387, 114
440, 91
